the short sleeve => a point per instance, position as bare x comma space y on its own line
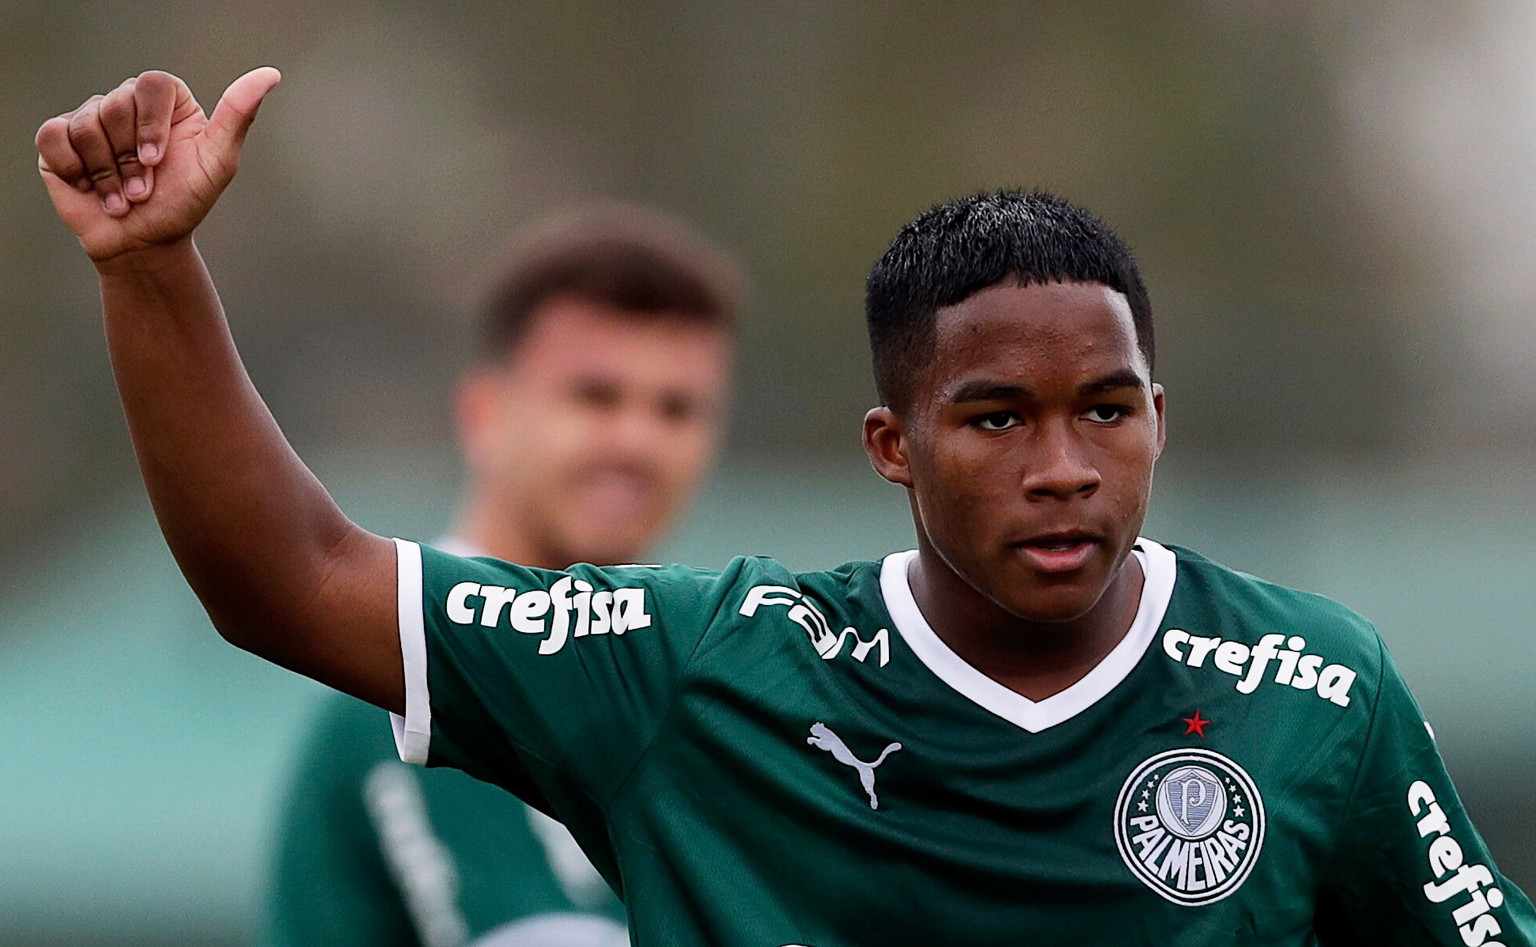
1410, 867
522, 676
328, 882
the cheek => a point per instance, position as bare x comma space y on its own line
547, 446
949, 491
1134, 488
685, 453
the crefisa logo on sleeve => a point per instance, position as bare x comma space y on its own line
570, 608
1189, 823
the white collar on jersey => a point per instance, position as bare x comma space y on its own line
1157, 564
454, 546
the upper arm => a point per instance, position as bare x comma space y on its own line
343, 624
1411, 866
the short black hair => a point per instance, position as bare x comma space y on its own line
965, 245
636, 259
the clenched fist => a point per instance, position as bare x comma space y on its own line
142, 165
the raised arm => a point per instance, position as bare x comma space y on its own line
282, 572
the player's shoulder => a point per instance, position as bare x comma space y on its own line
839, 588
1212, 596
739, 590
744, 573
482, 590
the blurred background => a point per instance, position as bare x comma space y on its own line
1332, 203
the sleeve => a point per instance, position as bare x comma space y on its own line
501, 871
1410, 868
372, 852
548, 683
328, 882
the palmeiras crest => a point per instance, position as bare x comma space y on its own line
1189, 824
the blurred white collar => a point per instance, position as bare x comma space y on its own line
454, 546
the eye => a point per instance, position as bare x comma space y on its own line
996, 421
677, 407
1106, 413
597, 393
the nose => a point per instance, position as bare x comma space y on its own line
643, 431
1060, 465
635, 429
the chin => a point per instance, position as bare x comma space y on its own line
607, 550
1054, 606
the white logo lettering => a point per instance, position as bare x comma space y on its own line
570, 608
1446, 861
803, 612
1189, 825
1305, 672
422, 866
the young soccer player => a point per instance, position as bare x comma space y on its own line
1037, 727
589, 415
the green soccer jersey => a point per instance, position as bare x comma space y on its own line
759, 758
373, 852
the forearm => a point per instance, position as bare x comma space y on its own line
281, 571
255, 533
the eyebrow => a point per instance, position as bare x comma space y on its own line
985, 390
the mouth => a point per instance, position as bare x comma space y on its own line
1059, 552
615, 491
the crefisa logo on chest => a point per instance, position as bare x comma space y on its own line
1189, 823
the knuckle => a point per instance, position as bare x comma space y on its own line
116, 108
82, 121
51, 131
156, 83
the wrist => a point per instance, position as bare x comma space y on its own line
149, 261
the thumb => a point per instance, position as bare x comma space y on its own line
236, 110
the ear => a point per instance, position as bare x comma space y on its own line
885, 441
1162, 419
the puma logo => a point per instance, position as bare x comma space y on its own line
823, 737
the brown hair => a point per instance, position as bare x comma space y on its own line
632, 258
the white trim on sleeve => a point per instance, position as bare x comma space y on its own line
413, 732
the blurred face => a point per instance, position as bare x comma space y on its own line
1028, 449
583, 444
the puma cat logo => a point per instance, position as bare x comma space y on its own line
823, 737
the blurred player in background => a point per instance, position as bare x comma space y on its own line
593, 407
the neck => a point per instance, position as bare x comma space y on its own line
493, 533
1033, 658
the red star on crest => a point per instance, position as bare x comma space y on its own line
1196, 726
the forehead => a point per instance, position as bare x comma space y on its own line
571, 337
1032, 335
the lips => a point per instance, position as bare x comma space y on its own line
1059, 552
616, 491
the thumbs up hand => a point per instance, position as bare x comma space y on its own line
141, 166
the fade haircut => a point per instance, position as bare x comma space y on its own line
960, 247
635, 259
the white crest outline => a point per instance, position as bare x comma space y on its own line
1255, 811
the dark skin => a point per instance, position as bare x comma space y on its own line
281, 570
1027, 451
